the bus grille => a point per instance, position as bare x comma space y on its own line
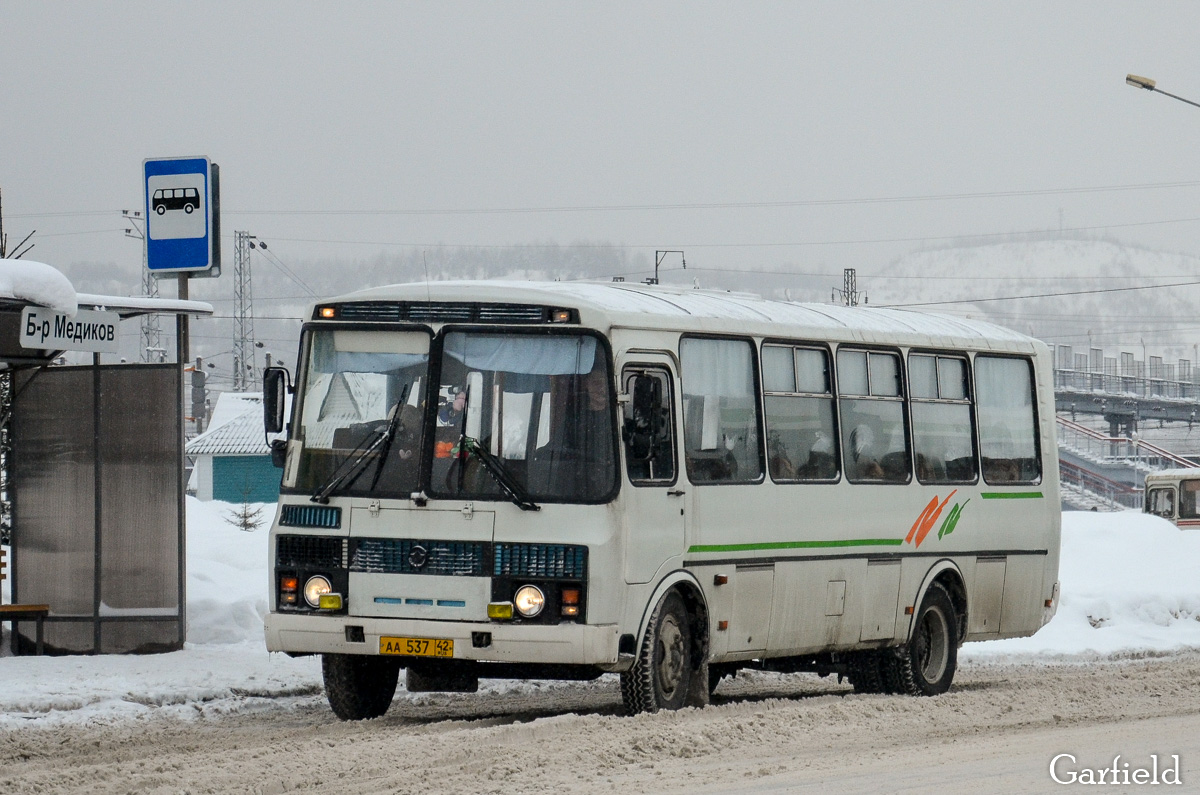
566, 561
443, 312
310, 516
407, 556
308, 552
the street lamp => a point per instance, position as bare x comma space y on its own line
1137, 81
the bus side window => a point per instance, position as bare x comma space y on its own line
871, 402
1162, 503
801, 428
1008, 441
647, 426
721, 439
943, 435
1187, 499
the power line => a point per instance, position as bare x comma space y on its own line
284, 269
692, 205
780, 244
1043, 295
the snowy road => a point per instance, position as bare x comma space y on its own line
996, 731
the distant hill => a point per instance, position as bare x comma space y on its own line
1166, 320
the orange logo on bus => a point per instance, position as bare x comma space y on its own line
929, 517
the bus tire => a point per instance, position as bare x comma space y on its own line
926, 664
187, 208
663, 672
889, 670
864, 670
359, 686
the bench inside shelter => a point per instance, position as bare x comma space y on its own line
17, 613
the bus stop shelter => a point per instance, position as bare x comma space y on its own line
95, 466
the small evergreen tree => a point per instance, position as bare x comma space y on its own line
247, 517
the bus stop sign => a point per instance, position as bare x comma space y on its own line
182, 216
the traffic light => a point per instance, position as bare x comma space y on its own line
199, 393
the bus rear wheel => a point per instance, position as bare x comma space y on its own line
926, 665
663, 674
359, 686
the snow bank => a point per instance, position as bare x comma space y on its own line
1130, 585
37, 282
226, 574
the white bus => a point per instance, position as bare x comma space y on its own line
1171, 494
558, 480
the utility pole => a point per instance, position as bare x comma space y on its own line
849, 292
151, 330
245, 375
659, 256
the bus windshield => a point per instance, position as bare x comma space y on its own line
360, 418
540, 404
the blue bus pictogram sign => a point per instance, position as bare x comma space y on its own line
180, 207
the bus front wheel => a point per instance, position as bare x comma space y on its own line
359, 686
926, 665
665, 672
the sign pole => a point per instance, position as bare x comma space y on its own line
181, 325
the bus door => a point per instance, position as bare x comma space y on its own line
654, 500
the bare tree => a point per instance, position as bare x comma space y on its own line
18, 252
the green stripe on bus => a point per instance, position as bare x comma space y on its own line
1011, 495
854, 542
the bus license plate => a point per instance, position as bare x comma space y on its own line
417, 647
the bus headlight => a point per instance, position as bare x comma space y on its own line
314, 588
529, 600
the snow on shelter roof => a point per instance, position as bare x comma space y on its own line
41, 284
661, 306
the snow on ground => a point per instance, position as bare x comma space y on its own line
1129, 588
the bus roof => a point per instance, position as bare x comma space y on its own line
638, 305
1173, 474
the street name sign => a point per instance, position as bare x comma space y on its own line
90, 330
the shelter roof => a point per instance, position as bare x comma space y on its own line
24, 281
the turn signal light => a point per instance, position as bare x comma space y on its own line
289, 584
570, 602
328, 312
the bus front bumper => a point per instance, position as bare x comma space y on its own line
567, 644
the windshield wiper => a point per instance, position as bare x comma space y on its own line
511, 487
352, 466
380, 439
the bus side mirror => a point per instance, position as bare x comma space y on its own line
275, 388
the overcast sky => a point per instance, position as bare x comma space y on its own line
354, 128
